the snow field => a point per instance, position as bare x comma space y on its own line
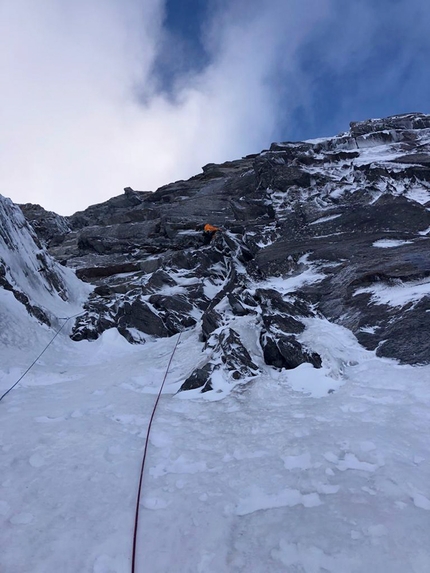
397, 295
269, 479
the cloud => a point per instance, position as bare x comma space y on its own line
366, 59
67, 101
82, 115
85, 112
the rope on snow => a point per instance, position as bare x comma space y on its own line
148, 431
66, 320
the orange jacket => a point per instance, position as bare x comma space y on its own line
210, 228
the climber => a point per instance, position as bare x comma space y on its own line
208, 233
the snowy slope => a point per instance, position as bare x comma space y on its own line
294, 448
272, 478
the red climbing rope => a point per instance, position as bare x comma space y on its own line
136, 517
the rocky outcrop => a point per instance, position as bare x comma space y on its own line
404, 122
226, 352
336, 227
49, 226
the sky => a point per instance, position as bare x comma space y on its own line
98, 95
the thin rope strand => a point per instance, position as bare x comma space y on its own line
136, 517
43, 351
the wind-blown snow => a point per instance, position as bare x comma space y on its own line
419, 194
324, 219
272, 478
390, 243
396, 295
310, 274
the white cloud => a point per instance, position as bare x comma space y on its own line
74, 132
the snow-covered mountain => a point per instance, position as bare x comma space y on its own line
308, 311
337, 227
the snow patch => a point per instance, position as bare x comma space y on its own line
285, 285
324, 219
390, 243
419, 195
398, 295
315, 382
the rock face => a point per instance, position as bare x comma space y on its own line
336, 227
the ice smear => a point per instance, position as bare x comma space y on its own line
390, 243
286, 285
324, 219
397, 295
419, 194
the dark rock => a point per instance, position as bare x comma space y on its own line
91, 325
228, 350
174, 303
91, 273
236, 306
211, 320
273, 172
400, 122
200, 378
33, 310
175, 311
234, 355
139, 316
158, 280
49, 226
103, 290
406, 339
421, 158
286, 352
